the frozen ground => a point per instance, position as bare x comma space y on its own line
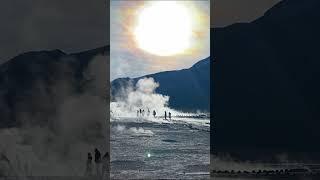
155, 148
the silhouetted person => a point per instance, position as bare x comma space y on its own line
165, 114
105, 164
148, 112
6, 172
143, 112
89, 165
154, 113
138, 113
97, 160
170, 115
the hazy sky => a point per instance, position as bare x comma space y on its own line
69, 25
76, 25
128, 59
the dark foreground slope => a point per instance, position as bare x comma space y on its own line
266, 79
34, 83
189, 89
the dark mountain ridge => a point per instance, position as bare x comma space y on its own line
189, 89
266, 80
32, 82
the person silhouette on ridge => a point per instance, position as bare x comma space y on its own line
89, 165
97, 160
105, 164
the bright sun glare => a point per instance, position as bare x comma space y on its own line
163, 28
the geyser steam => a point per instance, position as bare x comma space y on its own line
142, 96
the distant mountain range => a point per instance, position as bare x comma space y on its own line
266, 78
32, 83
189, 89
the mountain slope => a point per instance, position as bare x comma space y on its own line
189, 89
266, 79
33, 83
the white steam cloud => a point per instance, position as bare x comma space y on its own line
142, 96
145, 96
67, 125
134, 131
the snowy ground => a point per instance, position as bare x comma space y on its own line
144, 148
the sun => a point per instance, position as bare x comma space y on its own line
163, 28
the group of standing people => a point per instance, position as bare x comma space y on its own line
165, 115
101, 164
141, 112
